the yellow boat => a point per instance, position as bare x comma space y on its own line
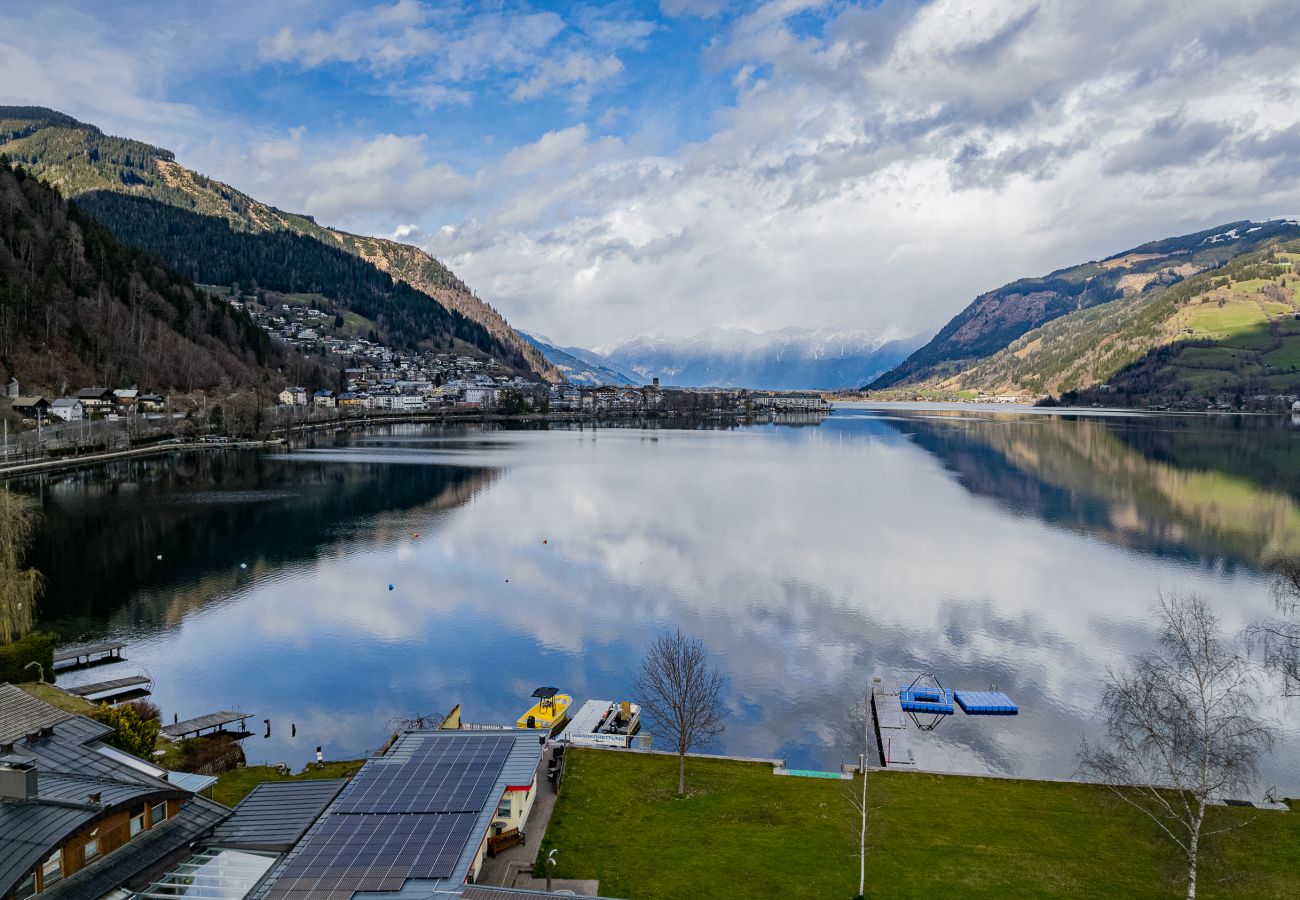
550, 711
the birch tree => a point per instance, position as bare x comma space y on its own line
682, 694
1182, 728
1278, 639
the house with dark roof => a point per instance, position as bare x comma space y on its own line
414, 822
79, 818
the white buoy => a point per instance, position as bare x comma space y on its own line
243, 565
160, 556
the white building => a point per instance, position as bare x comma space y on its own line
69, 409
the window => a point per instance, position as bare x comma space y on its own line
92, 849
158, 813
52, 868
137, 823
27, 888
505, 809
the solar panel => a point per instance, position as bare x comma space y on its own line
408, 815
440, 776
376, 852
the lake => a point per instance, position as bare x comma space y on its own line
988, 546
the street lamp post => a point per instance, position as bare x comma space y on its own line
550, 865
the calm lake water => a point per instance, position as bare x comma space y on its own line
990, 547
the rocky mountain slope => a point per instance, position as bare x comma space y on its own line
582, 367
79, 159
789, 359
79, 308
1219, 337
995, 319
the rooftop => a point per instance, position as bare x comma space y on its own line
412, 820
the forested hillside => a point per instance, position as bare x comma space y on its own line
995, 319
79, 159
210, 251
1220, 337
78, 307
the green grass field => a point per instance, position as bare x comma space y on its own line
743, 832
233, 786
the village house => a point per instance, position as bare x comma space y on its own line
294, 396
95, 399
69, 409
323, 399
31, 407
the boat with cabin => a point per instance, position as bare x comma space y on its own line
604, 723
549, 713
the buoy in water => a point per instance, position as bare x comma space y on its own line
390, 587
544, 540
243, 565
160, 556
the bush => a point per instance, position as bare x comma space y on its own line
211, 754
36, 647
147, 711
131, 732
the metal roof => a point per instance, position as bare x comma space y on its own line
276, 814
69, 769
21, 714
143, 855
519, 768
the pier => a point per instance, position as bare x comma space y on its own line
115, 689
892, 737
89, 655
212, 721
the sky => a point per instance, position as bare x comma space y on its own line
610, 170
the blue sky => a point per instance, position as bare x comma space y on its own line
601, 171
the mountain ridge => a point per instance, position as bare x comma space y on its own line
995, 319
79, 158
785, 359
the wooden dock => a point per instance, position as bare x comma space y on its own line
212, 721
89, 655
115, 688
892, 737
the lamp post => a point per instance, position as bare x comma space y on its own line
550, 865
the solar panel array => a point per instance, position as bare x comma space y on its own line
440, 777
398, 820
373, 852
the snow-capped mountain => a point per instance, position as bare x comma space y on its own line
581, 367
788, 359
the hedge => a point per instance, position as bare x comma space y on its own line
35, 647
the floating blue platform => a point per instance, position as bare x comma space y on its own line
937, 701
986, 703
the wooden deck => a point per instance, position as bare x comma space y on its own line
892, 736
199, 724
89, 655
134, 683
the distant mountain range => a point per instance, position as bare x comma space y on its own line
789, 359
1201, 318
215, 234
582, 367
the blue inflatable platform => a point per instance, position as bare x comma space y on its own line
937, 701
986, 703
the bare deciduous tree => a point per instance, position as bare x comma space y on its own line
682, 694
1279, 639
1181, 727
858, 736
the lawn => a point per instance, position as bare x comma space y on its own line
744, 832
56, 696
235, 785
1233, 318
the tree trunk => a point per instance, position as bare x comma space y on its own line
681, 774
1193, 850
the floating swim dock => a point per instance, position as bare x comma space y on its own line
114, 689
212, 721
89, 655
